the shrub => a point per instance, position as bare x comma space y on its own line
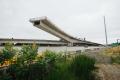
5, 77
82, 67
1, 57
25, 59
49, 66
29, 52
7, 53
115, 59
60, 72
27, 68
50, 56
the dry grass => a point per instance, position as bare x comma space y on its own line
114, 51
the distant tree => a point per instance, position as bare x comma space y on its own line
115, 44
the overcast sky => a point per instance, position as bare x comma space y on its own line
79, 18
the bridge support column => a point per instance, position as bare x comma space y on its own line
70, 44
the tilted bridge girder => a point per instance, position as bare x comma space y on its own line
45, 24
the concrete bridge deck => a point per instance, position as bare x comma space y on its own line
31, 41
45, 24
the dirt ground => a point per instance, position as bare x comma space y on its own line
106, 70
109, 71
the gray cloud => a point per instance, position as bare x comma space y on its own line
80, 18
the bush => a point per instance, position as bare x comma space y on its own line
22, 69
49, 66
5, 77
79, 68
7, 53
34, 71
52, 57
29, 52
1, 57
27, 68
60, 72
115, 59
82, 66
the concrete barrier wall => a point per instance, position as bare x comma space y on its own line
64, 48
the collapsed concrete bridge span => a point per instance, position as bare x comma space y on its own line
45, 24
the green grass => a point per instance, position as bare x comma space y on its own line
82, 66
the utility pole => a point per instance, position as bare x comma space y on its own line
105, 32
